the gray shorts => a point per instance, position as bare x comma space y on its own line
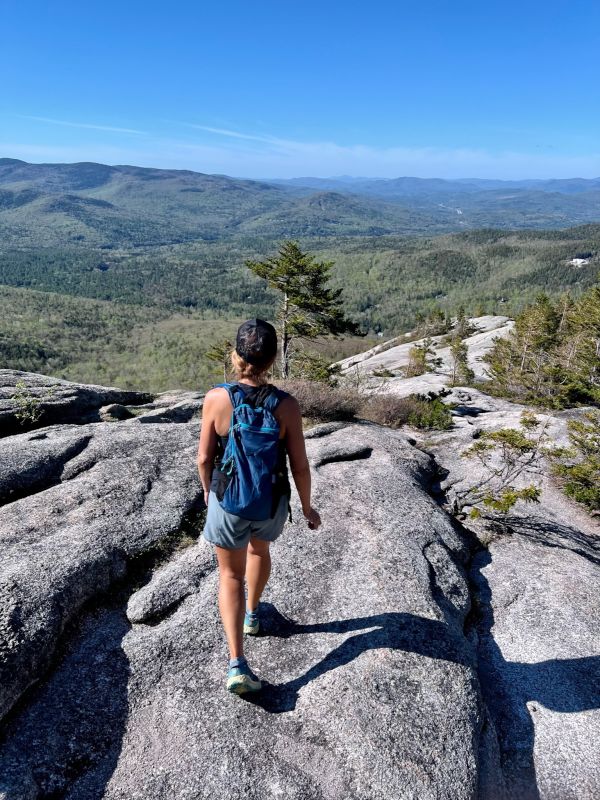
227, 530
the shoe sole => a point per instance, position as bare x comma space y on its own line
242, 684
251, 630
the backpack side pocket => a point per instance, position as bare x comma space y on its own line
220, 482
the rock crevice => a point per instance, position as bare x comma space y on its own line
534, 621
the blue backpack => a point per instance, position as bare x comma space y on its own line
251, 455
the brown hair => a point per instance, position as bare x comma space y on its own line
243, 370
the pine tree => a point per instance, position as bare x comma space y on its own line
564, 308
535, 328
463, 328
580, 466
421, 359
308, 307
315, 368
433, 323
417, 362
461, 371
585, 324
220, 353
552, 356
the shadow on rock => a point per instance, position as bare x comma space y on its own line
511, 689
562, 685
550, 534
67, 740
399, 631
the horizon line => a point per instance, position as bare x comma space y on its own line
302, 176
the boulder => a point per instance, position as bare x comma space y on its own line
48, 400
114, 411
90, 498
172, 407
172, 398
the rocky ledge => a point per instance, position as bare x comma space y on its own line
29, 401
401, 659
535, 590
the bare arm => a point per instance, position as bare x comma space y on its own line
296, 449
207, 446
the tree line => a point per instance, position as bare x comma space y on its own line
552, 357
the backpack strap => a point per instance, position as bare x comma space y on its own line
273, 399
268, 396
236, 395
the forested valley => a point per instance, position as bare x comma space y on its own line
128, 276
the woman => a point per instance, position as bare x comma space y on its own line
242, 545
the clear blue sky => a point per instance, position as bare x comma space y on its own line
478, 88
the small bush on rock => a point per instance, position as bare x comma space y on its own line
431, 413
29, 406
383, 373
428, 412
505, 457
387, 409
421, 359
324, 403
579, 466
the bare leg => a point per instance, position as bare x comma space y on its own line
232, 565
258, 569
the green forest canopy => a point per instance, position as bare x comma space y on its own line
143, 317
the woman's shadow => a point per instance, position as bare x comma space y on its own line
399, 631
563, 685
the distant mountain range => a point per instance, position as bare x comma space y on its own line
126, 275
98, 205
419, 187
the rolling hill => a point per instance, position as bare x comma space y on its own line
99, 205
127, 275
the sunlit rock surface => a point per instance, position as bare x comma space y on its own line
401, 659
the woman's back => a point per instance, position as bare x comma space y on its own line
217, 413
242, 541
255, 396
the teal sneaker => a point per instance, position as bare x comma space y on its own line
251, 623
241, 679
